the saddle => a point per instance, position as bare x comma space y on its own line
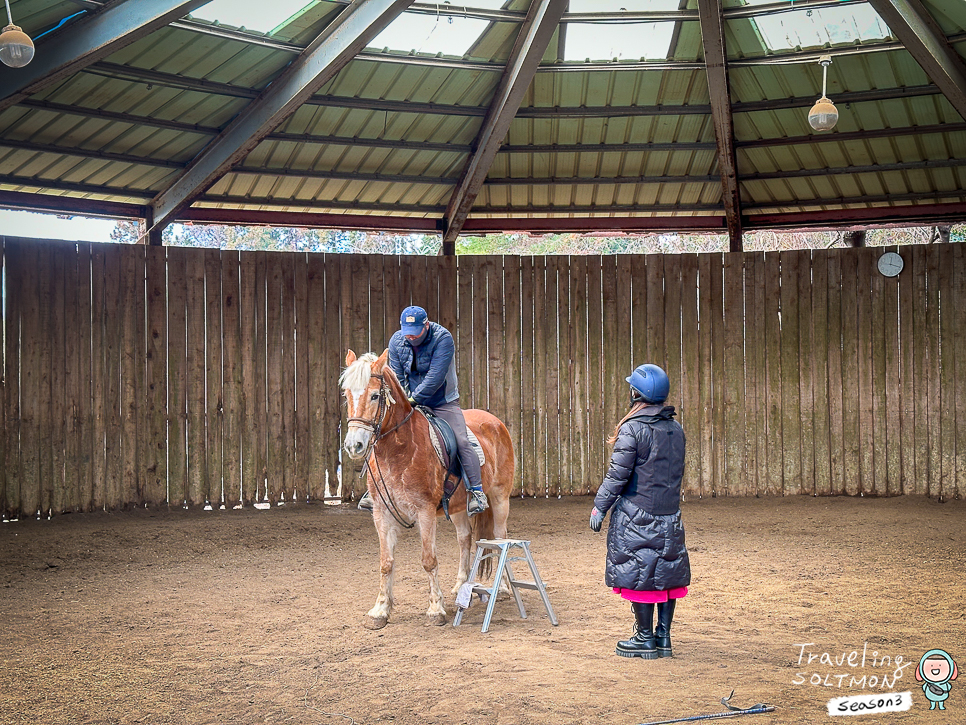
444, 443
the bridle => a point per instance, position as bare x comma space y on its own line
374, 425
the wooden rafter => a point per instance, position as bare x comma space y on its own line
338, 44
912, 24
715, 58
531, 43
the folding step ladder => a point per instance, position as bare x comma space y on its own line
491, 548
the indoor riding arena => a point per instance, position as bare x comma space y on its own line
181, 541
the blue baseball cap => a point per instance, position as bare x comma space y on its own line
411, 320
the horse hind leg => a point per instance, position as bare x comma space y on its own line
436, 613
378, 616
501, 512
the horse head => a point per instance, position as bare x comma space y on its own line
367, 384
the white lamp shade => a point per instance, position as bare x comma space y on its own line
16, 47
823, 115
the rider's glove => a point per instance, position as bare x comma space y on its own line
596, 520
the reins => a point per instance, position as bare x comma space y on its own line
375, 426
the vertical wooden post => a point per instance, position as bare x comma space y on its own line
195, 388
177, 376
820, 352
232, 373
527, 382
60, 260
773, 372
865, 441
836, 378
214, 395
791, 375
690, 417
300, 487
512, 364
733, 368
566, 453
154, 435
112, 376
274, 393
850, 375
131, 352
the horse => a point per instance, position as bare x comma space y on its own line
406, 479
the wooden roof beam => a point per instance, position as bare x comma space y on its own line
912, 24
338, 44
715, 58
542, 20
87, 41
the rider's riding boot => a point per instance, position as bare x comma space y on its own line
642, 643
365, 503
662, 635
475, 501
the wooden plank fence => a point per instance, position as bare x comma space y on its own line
137, 376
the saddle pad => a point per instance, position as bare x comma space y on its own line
477, 448
441, 453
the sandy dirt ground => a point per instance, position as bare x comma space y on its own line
257, 617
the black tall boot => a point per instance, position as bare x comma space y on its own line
642, 643
662, 635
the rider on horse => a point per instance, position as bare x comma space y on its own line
422, 356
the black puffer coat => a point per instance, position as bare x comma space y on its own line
645, 540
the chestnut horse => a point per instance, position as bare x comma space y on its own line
406, 478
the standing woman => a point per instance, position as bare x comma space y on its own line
647, 561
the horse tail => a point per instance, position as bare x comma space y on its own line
482, 528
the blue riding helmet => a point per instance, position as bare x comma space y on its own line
651, 382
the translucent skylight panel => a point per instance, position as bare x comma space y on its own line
616, 6
485, 4
251, 14
446, 34
815, 28
607, 41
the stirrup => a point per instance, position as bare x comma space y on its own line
365, 503
476, 501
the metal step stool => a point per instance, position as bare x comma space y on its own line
489, 548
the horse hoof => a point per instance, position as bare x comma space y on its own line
437, 620
375, 622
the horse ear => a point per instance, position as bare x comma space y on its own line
383, 359
350, 357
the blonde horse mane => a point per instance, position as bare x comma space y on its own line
356, 376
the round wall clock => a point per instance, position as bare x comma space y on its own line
890, 264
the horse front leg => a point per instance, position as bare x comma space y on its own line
427, 532
378, 616
464, 537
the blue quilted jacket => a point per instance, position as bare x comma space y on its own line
426, 372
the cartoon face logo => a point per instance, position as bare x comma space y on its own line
936, 671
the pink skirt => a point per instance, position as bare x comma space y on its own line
632, 595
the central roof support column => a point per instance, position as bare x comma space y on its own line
315, 66
715, 59
916, 29
152, 234
542, 20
